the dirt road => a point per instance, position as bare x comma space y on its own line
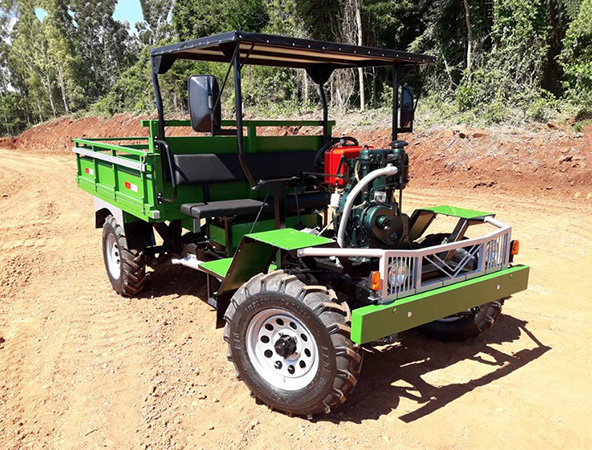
82, 368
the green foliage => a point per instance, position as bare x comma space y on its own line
576, 59
62, 63
544, 107
322, 19
498, 61
132, 92
12, 114
506, 84
519, 43
192, 19
104, 44
572, 7
156, 27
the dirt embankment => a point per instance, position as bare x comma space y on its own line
554, 161
550, 158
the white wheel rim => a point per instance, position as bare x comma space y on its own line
113, 257
290, 373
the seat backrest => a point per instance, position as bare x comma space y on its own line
209, 168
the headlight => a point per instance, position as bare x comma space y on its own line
492, 252
397, 275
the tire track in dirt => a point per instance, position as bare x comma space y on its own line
83, 368
89, 362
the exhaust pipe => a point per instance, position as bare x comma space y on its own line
189, 260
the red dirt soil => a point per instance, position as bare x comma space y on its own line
82, 368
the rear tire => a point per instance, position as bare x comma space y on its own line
126, 268
290, 344
465, 325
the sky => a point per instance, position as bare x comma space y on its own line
125, 10
128, 10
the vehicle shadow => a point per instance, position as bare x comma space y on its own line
174, 280
394, 372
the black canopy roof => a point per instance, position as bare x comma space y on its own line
281, 51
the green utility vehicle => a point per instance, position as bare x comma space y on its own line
306, 251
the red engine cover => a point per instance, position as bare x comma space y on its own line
332, 158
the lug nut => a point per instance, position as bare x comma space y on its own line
278, 365
290, 370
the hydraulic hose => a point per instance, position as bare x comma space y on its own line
387, 171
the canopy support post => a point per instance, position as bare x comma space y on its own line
238, 107
159, 105
395, 132
326, 136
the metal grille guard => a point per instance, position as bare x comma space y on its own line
401, 270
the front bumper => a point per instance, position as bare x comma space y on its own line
373, 322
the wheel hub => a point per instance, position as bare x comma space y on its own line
285, 346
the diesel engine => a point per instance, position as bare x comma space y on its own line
366, 182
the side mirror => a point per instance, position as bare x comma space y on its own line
407, 110
203, 91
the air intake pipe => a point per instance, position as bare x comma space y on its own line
387, 171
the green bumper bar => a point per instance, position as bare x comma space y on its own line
373, 322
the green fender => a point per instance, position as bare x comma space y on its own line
254, 255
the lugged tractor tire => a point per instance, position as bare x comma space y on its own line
290, 344
126, 268
465, 325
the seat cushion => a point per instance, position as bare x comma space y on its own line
224, 208
245, 206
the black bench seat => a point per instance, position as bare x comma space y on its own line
224, 208
246, 206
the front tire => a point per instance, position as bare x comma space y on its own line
464, 325
290, 344
126, 268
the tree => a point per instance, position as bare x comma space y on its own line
58, 31
322, 19
13, 116
469, 35
557, 20
195, 19
29, 59
105, 46
6, 14
156, 27
351, 32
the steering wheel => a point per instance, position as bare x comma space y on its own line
319, 161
